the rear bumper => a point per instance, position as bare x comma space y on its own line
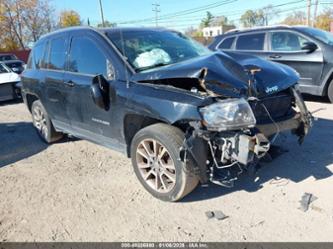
8, 91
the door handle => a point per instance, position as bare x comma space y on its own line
275, 56
69, 83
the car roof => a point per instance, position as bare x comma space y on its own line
5, 54
103, 30
255, 29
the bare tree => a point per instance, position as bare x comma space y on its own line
26, 20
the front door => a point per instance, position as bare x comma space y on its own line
286, 48
88, 58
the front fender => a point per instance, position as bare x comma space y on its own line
166, 103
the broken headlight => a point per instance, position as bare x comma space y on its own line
229, 114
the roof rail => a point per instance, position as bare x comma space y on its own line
257, 28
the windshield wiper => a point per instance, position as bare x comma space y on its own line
152, 66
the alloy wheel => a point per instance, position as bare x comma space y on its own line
156, 166
39, 121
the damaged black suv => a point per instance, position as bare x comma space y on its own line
182, 113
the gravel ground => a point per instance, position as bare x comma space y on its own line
78, 191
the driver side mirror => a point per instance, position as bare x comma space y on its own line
309, 46
100, 92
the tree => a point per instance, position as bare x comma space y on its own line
193, 32
69, 18
207, 20
324, 20
296, 18
220, 21
23, 22
253, 18
269, 13
107, 24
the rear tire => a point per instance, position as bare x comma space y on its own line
43, 124
330, 91
155, 158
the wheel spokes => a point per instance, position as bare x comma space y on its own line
169, 175
156, 165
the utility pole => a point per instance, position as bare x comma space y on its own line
315, 13
156, 9
308, 19
102, 14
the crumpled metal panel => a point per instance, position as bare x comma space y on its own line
224, 75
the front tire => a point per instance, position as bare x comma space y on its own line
155, 158
330, 92
43, 124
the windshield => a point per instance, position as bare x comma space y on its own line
7, 57
321, 35
150, 49
4, 69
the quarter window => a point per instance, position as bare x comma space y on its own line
86, 57
227, 43
286, 41
251, 42
57, 54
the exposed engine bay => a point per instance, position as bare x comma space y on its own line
232, 152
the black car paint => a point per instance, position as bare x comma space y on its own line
139, 99
315, 67
225, 74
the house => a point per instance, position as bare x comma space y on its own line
216, 30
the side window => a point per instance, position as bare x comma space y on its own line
57, 57
86, 57
227, 43
37, 56
286, 41
251, 42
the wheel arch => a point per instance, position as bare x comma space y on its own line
30, 98
327, 83
133, 123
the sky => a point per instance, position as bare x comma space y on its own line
135, 11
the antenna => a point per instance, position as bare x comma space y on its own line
156, 9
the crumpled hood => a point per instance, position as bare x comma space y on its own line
223, 74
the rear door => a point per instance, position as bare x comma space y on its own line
254, 43
56, 91
286, 47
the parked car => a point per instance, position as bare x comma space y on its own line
308, 50
9, 88
11, 61
182, 113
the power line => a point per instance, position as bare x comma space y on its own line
183, 12
165, 19
238, 19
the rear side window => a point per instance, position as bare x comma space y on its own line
37, 56
227, 43
57, 57
86, 57
251, 42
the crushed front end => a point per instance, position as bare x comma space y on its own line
236, 133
